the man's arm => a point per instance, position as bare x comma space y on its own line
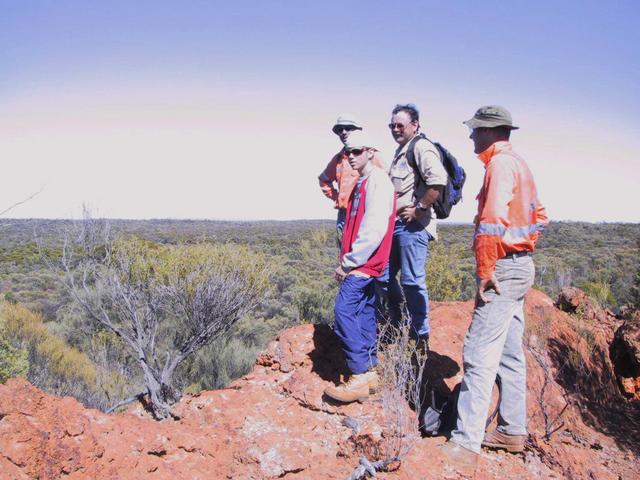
430, 196
328, 177
434, 175
541, 221
492, 220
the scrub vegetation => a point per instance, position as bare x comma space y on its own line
59, 338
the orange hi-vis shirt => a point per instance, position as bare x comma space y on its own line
339, 171
510, 217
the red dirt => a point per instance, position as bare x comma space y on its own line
274, 423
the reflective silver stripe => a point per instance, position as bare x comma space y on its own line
513, 233
491, 229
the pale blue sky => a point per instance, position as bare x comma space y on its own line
146, 109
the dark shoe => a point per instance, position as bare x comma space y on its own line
504, 441
459, 456
357, 388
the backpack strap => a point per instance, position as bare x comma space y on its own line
411, 160
411, 153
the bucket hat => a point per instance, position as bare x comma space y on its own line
358, 140
346, 120
491, 116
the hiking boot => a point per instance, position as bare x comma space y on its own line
504, 441
459, 456
357, 388
374, 381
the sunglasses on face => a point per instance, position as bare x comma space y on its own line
399, 126
356, 152
344, 129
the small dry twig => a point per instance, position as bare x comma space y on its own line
8, 209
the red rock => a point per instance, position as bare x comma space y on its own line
275, 422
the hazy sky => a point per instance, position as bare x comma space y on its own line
223, 110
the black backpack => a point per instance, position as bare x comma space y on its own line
440, 416
452, 192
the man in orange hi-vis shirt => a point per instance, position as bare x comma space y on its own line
338, 179
509, 221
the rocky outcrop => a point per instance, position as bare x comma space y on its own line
625, 353
621, 334
275, 423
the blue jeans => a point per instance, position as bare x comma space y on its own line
409, 252
355, 314
342, 215
493, 346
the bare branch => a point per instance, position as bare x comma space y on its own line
6, 210
137, 396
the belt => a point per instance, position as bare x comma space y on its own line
514, 255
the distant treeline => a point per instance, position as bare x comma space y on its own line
601, 258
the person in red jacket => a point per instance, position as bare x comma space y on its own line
364, 255
509, 222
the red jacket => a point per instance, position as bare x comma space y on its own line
377, 262
510, 216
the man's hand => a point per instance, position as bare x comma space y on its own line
408, 214
340, 274
487, 284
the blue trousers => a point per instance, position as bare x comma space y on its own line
355, 325
409, 252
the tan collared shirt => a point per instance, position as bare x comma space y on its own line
402, 176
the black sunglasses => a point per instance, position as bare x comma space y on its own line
356, 151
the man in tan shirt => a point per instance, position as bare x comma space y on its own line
415, 221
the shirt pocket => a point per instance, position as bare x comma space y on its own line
401, 175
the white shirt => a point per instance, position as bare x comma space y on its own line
378, 208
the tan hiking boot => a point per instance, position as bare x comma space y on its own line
374, 380
356, 389
504, 441
464, 461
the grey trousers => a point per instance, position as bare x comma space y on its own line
493, 346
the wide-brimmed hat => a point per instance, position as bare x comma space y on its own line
491, 116
358, 140
346, 120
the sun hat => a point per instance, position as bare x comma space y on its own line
491, 116
357, 141
346, 120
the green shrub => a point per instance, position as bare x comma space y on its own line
599, 292
444, 272
14, 362
53, 365
315, 305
